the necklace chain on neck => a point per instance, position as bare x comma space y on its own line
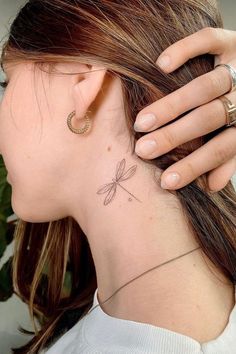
173, 259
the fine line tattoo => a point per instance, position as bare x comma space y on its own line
121, 175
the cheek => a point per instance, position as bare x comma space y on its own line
35, 155
37, 181
34, 169
37, 190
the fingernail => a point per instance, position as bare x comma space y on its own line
163, 61
145, 121
170, 181
146, 147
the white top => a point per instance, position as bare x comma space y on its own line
100, 333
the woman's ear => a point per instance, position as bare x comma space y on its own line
86, 89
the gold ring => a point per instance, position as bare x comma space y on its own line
230, 110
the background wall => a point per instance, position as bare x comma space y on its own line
14, 312
228, 8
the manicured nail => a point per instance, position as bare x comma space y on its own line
146, 147
163, 61
170, 181
144, 122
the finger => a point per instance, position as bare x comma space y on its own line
196, 93
208, 157
220, 176
207, 40
201, 121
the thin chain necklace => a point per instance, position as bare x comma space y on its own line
173, 259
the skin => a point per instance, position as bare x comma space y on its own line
55, 173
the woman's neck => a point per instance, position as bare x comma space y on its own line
130, 222
137, 228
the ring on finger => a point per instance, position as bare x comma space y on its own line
232, 73
230, 110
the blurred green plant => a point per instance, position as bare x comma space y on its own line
6, 233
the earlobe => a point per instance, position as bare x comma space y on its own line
87, 88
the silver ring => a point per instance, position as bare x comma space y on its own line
232, 72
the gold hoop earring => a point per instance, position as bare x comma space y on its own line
82, 130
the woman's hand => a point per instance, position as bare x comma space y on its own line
217, 156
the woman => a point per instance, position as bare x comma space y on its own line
94, 212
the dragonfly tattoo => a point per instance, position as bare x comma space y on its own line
121, 175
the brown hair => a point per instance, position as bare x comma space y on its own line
126, 37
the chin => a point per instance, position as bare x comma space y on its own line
33, 213
26, 216
27, 213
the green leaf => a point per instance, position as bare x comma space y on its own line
10, 233
3, 242
5, 191
6, 286
6, 232
3, 218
